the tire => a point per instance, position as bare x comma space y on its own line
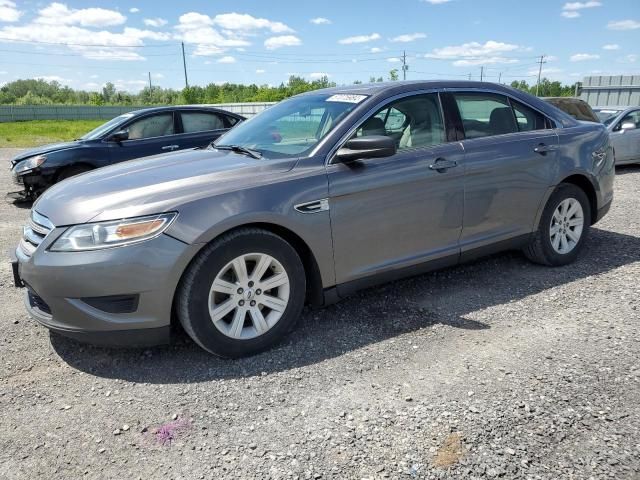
268, 315
72, 172
547, 246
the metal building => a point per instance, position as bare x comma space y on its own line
619, 90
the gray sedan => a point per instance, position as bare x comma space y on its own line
316, 197
623, 124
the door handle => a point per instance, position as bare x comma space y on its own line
170, 147
542, 149
441, 165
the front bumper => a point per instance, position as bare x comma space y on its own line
80, 294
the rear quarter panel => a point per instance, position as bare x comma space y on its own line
577, 146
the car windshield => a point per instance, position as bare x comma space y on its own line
607, 116
292, 127
98, 132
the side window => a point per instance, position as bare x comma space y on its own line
193, 122
485, 114
527, 118
152, 126
412, 122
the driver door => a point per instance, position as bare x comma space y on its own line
392, 213
627, 142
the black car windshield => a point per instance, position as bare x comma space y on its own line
292, 127
607, 116
98, 132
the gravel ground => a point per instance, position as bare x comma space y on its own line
498, 368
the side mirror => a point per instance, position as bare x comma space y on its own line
119, 136
628, 126
370, 146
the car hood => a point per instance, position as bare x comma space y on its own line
52, 147
154, 184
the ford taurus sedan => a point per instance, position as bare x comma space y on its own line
149, 131
318, 196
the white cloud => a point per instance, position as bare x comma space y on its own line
631, 58
247, 23
155, 22
215, 35
134, 10
273, 43
59, 14
581, 57
623, 25
196, 28
360, 39
94, 76
227, 59
408, 37
375, 49
320, 21
130, 85
436, 2
475, 53
260, 70
611, 46
9, 12
318, 75
570, 9
393, 60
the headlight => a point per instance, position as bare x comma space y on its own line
94, 236
30, 163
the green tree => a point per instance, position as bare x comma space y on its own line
393, 75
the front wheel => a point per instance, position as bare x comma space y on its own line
242, 294
563, 228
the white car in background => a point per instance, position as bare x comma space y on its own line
623, 124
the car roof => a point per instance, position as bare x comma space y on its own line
143, 111
615, 107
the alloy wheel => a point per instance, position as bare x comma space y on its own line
567, 224
248, 296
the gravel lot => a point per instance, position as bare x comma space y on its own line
498, 368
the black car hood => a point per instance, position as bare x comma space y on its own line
52, 147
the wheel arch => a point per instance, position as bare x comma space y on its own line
586, 185
314, 294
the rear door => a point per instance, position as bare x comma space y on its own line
201, 127
398, 211
510, 160
148, 135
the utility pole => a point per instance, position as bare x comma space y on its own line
481, 72
469, 76
184, 63
150, 88
499, 77
539, 73
405, 67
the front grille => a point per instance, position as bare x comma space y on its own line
34, 233
38, 303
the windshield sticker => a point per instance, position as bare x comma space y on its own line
343, 97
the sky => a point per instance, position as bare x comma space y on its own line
85, 44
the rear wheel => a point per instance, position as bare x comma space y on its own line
242, 294
563, 228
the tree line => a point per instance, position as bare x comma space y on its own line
41, 92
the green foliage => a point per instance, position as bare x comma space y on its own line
393, 75
547, 88
37, 92
41, 132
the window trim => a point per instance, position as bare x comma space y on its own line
554, 125
329, 160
